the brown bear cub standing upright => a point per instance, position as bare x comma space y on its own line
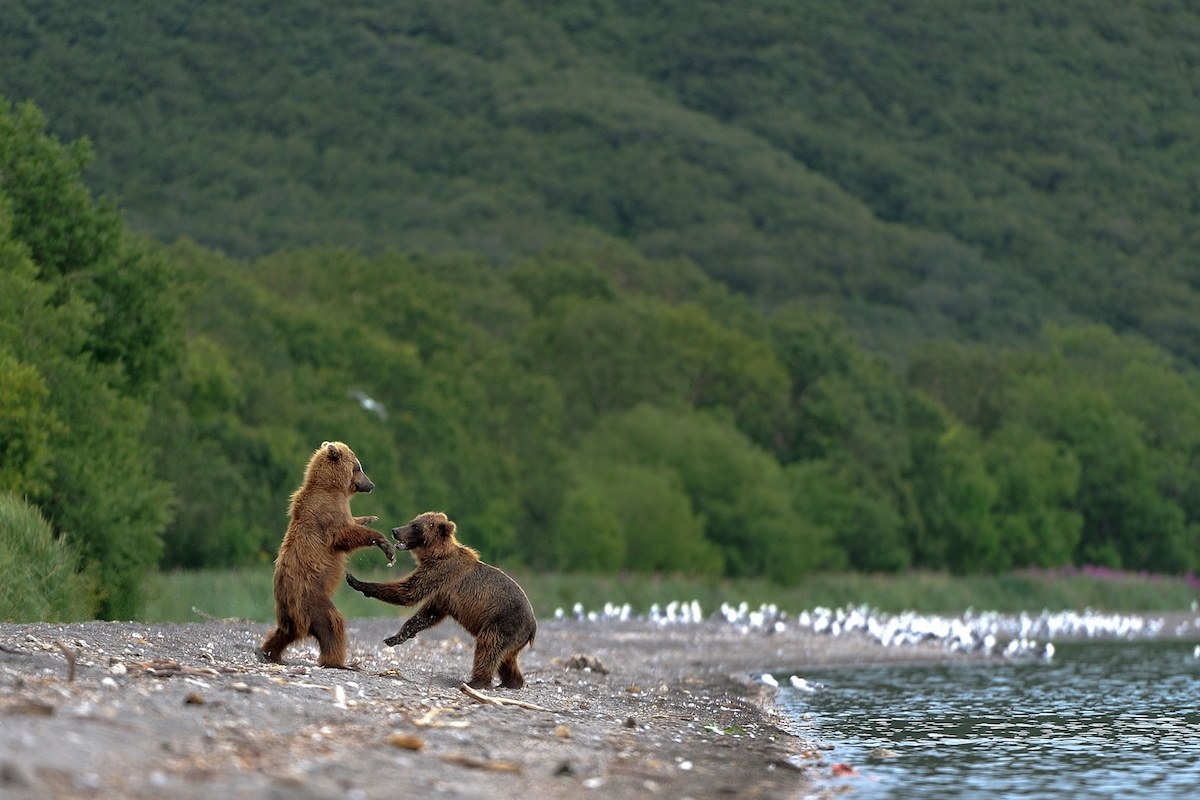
481, 598
312, 557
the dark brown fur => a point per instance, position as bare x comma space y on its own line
312, 557
454, 583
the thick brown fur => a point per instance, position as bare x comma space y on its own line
454, 583
312, 557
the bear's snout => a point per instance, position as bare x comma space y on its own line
407, 538
363, 484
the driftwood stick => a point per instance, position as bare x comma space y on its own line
71, 658
204, 615
492, 700
475, 763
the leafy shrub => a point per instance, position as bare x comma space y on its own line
39, 573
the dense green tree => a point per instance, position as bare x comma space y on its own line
605, 356
542, 280
860, 521
636, 517
849, 409
80, 247
736, 487
591, 534
1128, 520
721, 368
25, 427
1080, 441
812, 346
969, 383
957, 497
1035, 512
231, 489
71, 274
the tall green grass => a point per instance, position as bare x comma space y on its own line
246, 593
40, 578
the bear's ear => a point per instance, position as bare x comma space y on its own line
445, 528
331, 450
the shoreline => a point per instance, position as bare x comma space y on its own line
630, 709
627, 708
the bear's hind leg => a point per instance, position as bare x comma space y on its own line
487, 658
277, 641
510, 671
329, 628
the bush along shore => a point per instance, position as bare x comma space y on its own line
672, 703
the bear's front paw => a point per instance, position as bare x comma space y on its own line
392, 641
368, 520
388, 551
355, 583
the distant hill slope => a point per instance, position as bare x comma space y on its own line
949, 170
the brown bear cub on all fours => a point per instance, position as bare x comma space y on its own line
312, 556
454, 583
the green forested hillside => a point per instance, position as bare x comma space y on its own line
745, 290
929, 168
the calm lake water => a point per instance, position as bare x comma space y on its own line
1101, 720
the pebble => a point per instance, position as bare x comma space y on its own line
14, 775
406, 741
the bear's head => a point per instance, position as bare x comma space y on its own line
334, 466
430, 532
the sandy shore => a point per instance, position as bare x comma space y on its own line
187, 711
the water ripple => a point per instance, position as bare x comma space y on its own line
1101, 720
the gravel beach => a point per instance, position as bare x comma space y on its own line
615, 709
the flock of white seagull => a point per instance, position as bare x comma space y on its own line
991, 633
